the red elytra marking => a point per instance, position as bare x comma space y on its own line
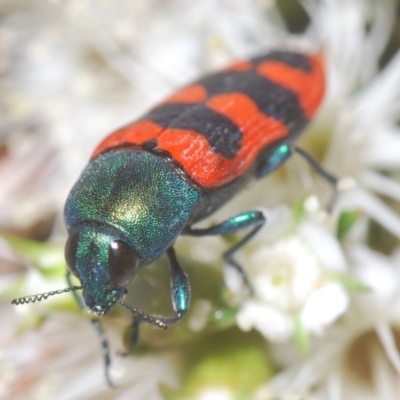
191, 94
192, 150
308, 86
240, 66
210, 169
136, 133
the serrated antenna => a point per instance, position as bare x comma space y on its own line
43, 296
143, 316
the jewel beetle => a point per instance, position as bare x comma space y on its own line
152, 180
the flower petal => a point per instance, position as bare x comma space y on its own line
270, 322
325, 245
323, 307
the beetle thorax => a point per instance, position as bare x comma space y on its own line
137, 193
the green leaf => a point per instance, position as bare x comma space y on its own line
301, 337
350, 283
230, 238
299, 210
242, 394
12, 289
232, 361
30, 322
169, 393
47, 258
346, 220
224, 317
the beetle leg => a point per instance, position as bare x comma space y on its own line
283, 152
315, 164
180, 293
255, 219
228, 256
133, 336
274, 160
232, 225
180, 289
105, 348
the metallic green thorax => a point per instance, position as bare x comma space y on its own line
137, 193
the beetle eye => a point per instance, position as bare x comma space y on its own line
123, 262
71, 248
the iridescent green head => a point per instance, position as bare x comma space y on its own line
126, 210
103, 262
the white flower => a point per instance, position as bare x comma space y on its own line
292, 274
358, 358
62, 359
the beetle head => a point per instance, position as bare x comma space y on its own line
104, 262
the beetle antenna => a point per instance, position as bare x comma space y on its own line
143, 316
43, 296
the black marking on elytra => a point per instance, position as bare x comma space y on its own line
223, 135
149, 145
294, 60
272, 99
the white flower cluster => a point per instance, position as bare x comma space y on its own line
77, 69
294, 276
